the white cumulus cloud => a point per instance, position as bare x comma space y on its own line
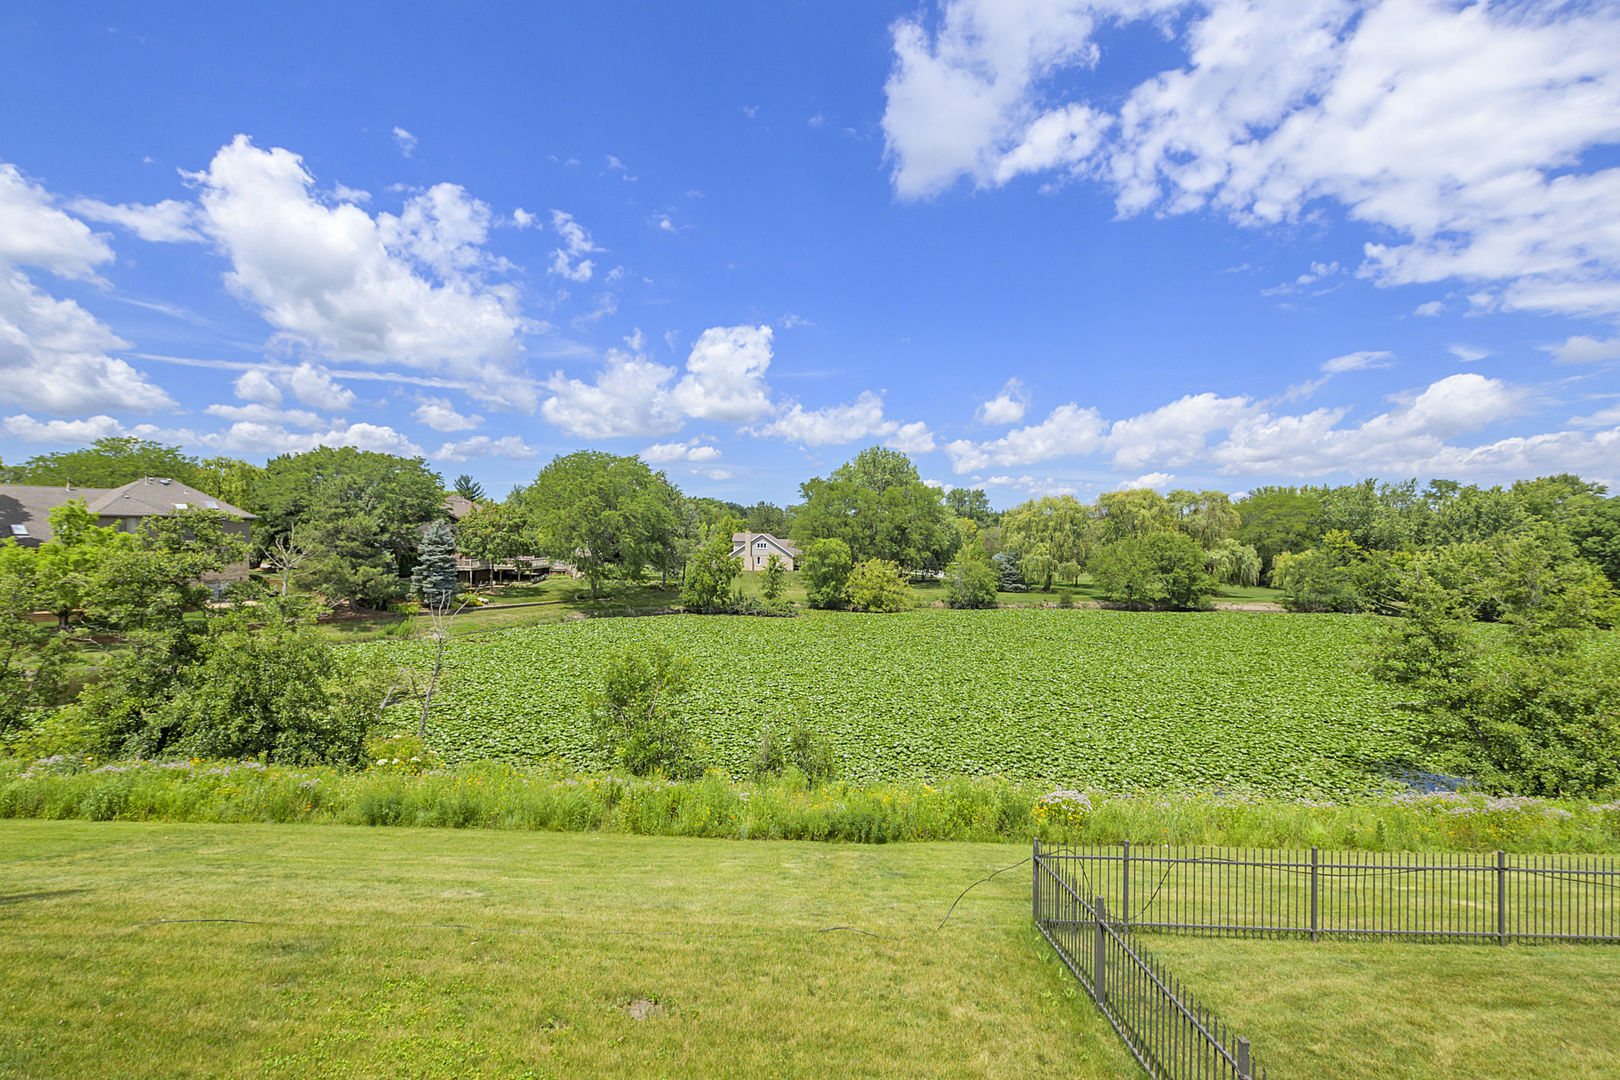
576, 242
1581, 349
629, 397
53, 353
511, 446
693, 451
403, 289
1007, 407
838, 424
725, 375
1068, 430
1460, 128
438, 414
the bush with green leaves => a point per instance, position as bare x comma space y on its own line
801, 749
970, 581
636, 711
876, 585
1164, 568
826, 568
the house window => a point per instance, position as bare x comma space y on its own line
213, 504
760, 546
179, 506
19, 530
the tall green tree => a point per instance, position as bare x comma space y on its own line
396, 494
1052, 530
469, 489
495, 532
1535, 710
65, 565
710, 570
879, 507
1275, 520
971, 503
107, 463
826, 566
1160, 568
607, 515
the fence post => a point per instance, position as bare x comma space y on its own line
1315, 882
1501, 898
1035, 883
1125, 894
1099, 962
1245, 1070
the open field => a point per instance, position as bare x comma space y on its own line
435, 954
1106, 699
406, 953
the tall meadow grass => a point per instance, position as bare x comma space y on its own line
498, 796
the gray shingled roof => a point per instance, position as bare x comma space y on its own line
155, 495
30, 505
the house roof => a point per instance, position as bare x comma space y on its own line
746, 538
458, 506
159, 495
29, 506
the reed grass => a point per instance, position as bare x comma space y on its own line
499, 796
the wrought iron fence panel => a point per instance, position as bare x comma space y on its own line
1242, 892
1171, 1034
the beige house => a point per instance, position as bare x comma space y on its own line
25, 511
755, 550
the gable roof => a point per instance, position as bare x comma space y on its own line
30, 505
746, 538
459, 506
159, 495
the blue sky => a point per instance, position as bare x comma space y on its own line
1042, 246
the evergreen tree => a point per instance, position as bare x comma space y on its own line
433, 580
469, 489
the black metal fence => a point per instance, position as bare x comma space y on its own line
1163, 1025
1493, 897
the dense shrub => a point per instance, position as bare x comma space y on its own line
970, 582
876, 585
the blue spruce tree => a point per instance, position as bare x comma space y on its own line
433, 581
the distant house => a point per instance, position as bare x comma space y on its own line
470, 571
756, 549
25, 510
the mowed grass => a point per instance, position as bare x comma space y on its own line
1346, 1011
416, 953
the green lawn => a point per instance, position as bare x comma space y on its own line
1345, 1011
166, 950
417, 953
